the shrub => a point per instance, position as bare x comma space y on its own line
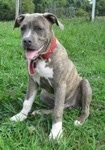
7, 8
81, 12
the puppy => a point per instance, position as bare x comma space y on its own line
50, 68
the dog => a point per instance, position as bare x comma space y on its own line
50, 68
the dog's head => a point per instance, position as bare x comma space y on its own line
36, 31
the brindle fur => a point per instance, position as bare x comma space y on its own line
67, 88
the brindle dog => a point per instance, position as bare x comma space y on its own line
50, 68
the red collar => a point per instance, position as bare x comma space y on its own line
46, 55
50, 49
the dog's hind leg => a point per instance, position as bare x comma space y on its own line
48, 99
86, 96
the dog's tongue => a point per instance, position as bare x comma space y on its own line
31, 54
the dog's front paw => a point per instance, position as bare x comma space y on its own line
19, 117
56, 131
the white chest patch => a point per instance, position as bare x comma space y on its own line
42, 70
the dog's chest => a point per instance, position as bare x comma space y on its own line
43, 70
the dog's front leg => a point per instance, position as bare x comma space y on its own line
31, 93
56, 131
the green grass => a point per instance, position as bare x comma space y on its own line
85, 44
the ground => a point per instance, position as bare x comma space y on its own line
85, 44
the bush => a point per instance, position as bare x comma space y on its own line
100, 6
81, 13
7, 9
27, 6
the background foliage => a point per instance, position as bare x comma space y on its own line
7, 8
82, 7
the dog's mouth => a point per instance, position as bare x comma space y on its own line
32, 54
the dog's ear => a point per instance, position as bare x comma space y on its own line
53, 19
18, 20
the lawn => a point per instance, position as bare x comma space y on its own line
85, 44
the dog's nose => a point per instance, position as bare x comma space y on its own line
27, 41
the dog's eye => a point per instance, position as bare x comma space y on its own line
38, 28
23, 28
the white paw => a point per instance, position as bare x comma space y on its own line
19, 117
56, 131
77, 123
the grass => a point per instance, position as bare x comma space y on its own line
85, 44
